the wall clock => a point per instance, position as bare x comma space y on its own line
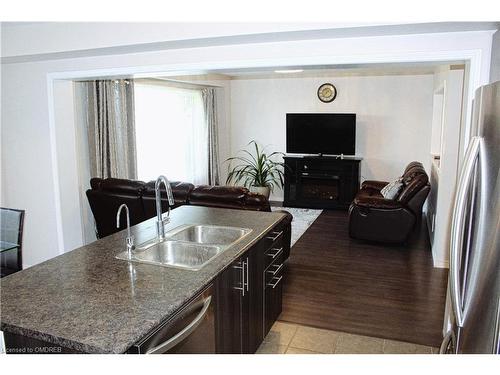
327, 93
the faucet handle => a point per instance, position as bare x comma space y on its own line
131, 242
130, 245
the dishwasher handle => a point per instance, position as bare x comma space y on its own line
180, 336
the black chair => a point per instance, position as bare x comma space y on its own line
375, 218
11, 237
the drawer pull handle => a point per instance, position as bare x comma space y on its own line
278, 279
243, 266
276, 235
276, 253
278, 269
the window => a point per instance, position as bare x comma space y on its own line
171, 135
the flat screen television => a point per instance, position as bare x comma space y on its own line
321, 133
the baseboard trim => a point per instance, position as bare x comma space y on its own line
276, 203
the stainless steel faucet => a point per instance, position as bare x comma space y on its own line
159, 221
130, 239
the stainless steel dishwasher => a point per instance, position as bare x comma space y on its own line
191, 330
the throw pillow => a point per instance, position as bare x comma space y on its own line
392, 189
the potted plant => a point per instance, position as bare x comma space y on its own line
258, 172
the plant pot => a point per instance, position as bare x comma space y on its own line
263, 190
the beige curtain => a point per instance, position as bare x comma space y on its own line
210, 107
111, 128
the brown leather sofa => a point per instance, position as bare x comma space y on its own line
374, 218
106, 195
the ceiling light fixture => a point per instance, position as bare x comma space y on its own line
288, 71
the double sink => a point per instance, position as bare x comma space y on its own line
188, 246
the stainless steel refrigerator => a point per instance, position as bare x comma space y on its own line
474, 275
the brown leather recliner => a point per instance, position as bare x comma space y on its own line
375, 218
106, 195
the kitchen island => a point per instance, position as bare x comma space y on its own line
88, 301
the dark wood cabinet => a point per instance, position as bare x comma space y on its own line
255, 332
321, 181
273, 289
230, 309
240, 305
249, 293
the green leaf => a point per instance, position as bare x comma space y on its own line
256, 169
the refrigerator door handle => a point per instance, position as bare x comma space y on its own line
448, 346
496, 339
457, 228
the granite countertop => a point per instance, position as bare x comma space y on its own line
90, 301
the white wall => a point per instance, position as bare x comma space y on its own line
495, 58
82, 154
437, 121
29, 137
67, 151
393, 116
453, 118
27, 177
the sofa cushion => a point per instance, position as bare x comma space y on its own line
104, 206
376, 201
411, 165
233, 195
180, 190
413, 187
372, 198
122, 186
258, 201
377, 185
368, 193
412, 172
392, 189
95, 183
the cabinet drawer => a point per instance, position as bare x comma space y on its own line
274, 252
328, 164
273, 245
274, 236
273, 291
274, 271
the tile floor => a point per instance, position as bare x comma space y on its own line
287, 338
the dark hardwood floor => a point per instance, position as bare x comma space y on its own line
341, 284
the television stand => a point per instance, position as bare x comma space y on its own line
321, 181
